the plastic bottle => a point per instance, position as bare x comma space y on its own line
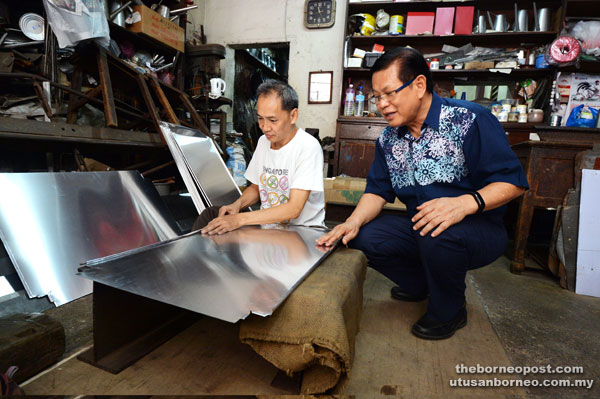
349, 101
236, 162
360, 102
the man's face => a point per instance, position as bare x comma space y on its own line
276, 123
399, 108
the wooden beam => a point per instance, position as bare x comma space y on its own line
76, 81
110, 112
164, 101
150, 105
195, 116
43, 100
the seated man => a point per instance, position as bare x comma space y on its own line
286, 170
449, 161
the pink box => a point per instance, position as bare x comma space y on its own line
419, 22
463, 24
444, 18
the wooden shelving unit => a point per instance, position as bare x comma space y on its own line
355, 135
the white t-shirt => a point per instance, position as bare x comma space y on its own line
298, 164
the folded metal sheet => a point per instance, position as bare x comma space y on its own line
198, 198
202, 161
229, 276
51, 222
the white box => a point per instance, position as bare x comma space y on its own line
358, 53
587, 280
355, 62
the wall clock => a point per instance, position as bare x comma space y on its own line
319, 14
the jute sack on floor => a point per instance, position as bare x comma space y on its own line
314, 329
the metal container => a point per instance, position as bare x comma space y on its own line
544, 15
163, 11
499, 24
118, 19
481, 24
522, 21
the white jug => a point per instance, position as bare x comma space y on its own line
217, 88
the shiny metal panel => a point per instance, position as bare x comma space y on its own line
205, 164
229, 276
51, 222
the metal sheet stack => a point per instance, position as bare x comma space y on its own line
201, 167
51, 222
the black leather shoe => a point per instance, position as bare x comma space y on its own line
427, 328
400, 295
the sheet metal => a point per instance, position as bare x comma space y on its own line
201, 160
51, 222
229, 276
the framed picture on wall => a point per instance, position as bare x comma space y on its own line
320, 86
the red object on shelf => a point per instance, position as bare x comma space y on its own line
444, 17
463, 24
378, 48
419, 22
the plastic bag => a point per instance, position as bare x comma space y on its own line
589, 34
583, 116
75, 20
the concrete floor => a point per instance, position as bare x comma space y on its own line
537, 323
540, 323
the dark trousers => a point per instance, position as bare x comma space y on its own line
439, 264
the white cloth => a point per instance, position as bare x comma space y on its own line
298, 164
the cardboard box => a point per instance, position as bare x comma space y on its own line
349, 190
479, 65
444, 18
159, 28
419, 22
463, 24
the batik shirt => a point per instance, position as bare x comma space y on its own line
462, 148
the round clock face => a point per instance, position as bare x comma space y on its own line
319, 13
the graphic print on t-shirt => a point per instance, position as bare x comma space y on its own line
274, 187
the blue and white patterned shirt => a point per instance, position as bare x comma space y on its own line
462, 148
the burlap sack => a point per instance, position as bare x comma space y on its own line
314, 329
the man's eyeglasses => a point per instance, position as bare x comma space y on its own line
390, 94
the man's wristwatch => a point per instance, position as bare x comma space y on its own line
479, 200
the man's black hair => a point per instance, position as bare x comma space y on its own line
288, 96
411, 63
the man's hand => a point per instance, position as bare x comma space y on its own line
443, 213
230, 209
222, 224
347, 230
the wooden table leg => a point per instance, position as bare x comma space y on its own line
110, 112
523, 224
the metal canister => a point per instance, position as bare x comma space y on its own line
396, 25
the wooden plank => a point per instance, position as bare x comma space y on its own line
11, 128
80, 102
107, 91
162, 98
76, 82
39, 92
195, 116
141, 80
